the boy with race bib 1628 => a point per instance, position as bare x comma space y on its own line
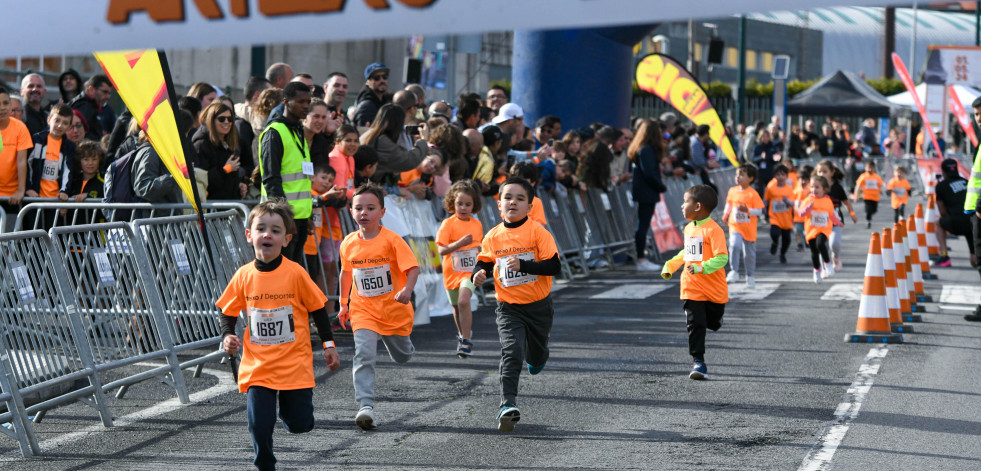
383, 270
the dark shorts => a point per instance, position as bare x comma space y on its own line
956, 224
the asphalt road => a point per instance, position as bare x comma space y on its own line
614, 395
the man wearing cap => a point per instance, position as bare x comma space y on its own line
373, 95
971, 203
510, 118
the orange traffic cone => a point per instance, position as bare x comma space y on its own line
921, 242
931, 217
892, 291
903, 283
914, 257
908, 266
873, 315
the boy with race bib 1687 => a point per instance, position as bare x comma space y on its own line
383, 270
277, 362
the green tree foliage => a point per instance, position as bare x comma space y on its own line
887, 86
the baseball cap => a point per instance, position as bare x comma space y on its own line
508, 111
668, 118
374, 67
492, 134
949, 166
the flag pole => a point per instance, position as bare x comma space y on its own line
188, 152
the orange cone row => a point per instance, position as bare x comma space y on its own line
921, 242
893, 303
904, 275
873, 315
932, 216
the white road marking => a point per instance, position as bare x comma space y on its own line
225, 385
956, 307
631, 291
843, 292
960, 294
819, 458
739, 292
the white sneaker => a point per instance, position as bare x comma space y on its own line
838, 265
817, 276
750, 282
732, 277
647, 265
829, 270
365, 418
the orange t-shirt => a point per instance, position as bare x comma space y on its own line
276, 351
871, 184
458, 266
743, 223
529, 241
378, 267
50, 180
343, 166
702, 243
799, 194
537, 212
821, 216
792, 178
16, 138
781, 213
900, 191
317, 223
410, 176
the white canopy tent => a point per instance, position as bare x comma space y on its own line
965, 94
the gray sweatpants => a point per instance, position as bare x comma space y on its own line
524, 331
740, 249
399, 347
836, 235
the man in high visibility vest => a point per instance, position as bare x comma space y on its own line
972, 205
285, 165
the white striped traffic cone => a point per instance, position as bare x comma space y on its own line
903, 283
921, 242
873, 315
908, 267
931, 216
892, 291
913, 235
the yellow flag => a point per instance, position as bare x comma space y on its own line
139, 79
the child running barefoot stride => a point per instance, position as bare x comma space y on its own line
458, 241
703, 282
819, 215
383, 270
523, 258
278, 298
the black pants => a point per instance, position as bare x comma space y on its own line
645, 211
819, 250
294, 251
701, 315
295, 408
524, 331
782, 235
899, 213
871, 207
976, 224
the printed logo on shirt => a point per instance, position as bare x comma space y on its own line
513, 250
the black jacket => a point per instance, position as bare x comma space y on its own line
90, 111
211, 158
36, 160
647, 185
368, 104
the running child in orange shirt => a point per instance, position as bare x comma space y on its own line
383, 270
523, 258
870, 184
531, 173
802, 190
458, 241
744, 205
703, 282
819, 217
781, 210
898, 189
277, 361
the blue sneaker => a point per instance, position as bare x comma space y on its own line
535, 369
698, 370
507, 417
464, 348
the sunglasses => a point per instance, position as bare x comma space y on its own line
224, 119
379, 77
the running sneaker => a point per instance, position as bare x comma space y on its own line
943, 261
647, 265
817, 276
783, 259
365, 418
750, 282
829, 270
773, 248
507, 417
732, 277
868, 225
464, 348
800, 247
698, 370
535, 369
976, 316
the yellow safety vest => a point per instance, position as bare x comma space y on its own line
296, 185
973, 185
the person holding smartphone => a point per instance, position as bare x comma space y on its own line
216, 144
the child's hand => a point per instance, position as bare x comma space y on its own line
465, 241
403, 296
344, 316
854, 218
514, 263
79, 197
335, 192
480, 277
31, 193
63, 196
333, 361
787, 202
742, 208
231, 344
694, 269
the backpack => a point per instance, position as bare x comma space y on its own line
118, 185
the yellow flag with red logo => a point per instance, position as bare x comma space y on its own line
138, 76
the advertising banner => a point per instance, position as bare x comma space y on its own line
903, 74
962, 118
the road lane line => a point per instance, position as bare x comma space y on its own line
819, 458
960, 294
843, 292
637, 291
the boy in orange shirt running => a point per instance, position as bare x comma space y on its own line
781, 210
458, 241
523, 258
278, 298
531, 173
744, 205
898, 189
802, 190
703, 282
870, 184
383, 270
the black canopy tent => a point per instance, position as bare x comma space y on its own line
841, 94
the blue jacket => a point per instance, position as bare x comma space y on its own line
647, 185
35, 162
547, 178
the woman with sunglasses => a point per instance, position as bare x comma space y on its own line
217, 147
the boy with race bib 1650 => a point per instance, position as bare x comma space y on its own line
522, 256
277, 362
383, 270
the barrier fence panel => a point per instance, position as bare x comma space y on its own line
3, 221
45, 213
610, 223
229, 245
43, 339
20, 428
120, 316
186, 277
566, 238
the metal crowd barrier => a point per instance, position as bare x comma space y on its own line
566, 238
44, 347
42, 213
3, 221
